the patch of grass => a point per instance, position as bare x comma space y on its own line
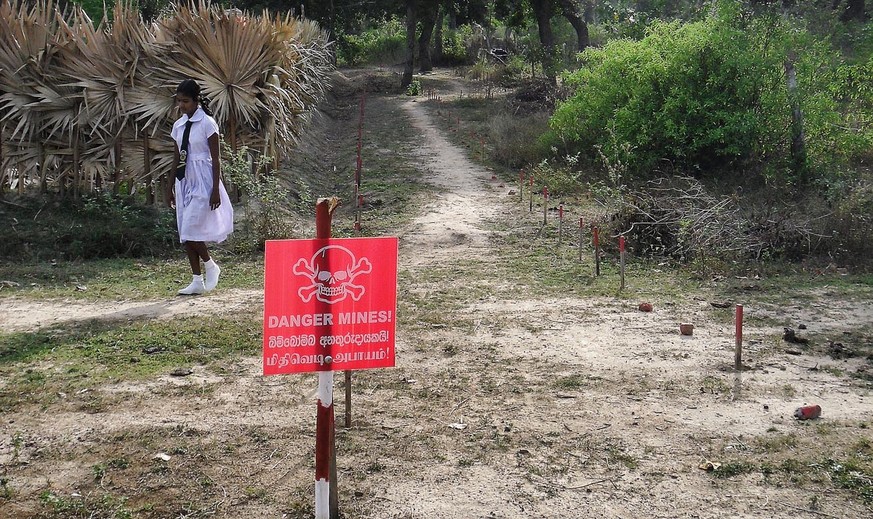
83, 507
784, 457
571, 382
38, 366
120, 279
777, 442
734, 468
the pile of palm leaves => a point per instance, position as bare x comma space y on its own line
85, 106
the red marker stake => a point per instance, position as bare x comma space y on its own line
326, 497
621, 256
596, 237
738, 350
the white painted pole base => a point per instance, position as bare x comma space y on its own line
322, 499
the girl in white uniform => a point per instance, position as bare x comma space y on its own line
203, 210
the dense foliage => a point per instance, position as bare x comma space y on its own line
712, 95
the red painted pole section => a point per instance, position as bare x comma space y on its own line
738, 351
326, 500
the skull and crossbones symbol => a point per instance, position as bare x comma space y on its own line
332, 271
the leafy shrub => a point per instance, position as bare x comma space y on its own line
101, 225
708, 96
414, 88
455, 46
382, 44
266, 214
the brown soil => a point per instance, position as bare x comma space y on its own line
518, 407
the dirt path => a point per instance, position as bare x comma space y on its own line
450, 227
502, 405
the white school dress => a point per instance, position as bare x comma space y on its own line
195, 220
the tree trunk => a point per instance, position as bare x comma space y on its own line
411, 22
428, 20
853, 10
438, 36
543, 13
569, 11
798, 138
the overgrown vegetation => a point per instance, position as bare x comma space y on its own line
100, 225
711, 97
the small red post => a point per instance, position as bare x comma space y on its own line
738, 350
596, 237
621, 256
326, 496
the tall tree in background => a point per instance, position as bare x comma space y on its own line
570, 9
411, 24
851, 10
429, 11
543, 11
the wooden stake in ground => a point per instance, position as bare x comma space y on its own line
738, 349
595, 236
545, 204
326, 496
621, 259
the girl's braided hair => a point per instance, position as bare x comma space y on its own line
190, 88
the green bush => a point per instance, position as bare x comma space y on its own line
455, 46
384, 44
100, 225
710, 96
265, 206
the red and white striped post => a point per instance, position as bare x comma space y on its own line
595, 236
560, 223
581, 236
738, 348
326, 497
545, 204
621, 260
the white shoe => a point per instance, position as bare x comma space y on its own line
211, 274
196, 287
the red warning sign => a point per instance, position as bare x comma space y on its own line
329, 304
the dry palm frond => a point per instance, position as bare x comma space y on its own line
32, 103
94, 103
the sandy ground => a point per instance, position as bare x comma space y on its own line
473, 422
